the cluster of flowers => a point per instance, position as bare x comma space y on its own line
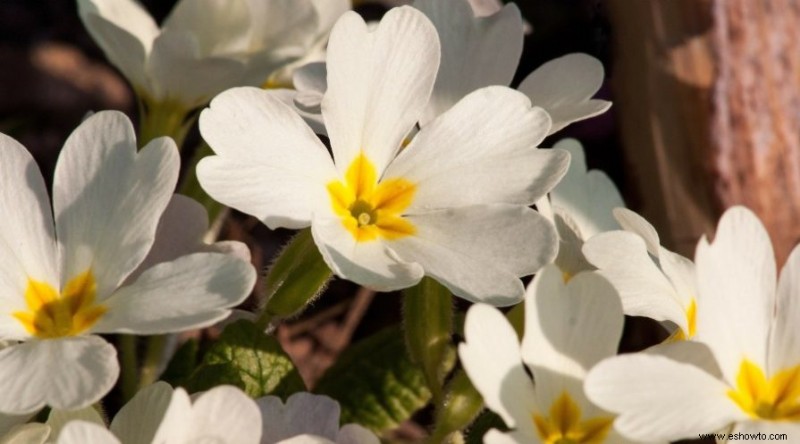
433, 171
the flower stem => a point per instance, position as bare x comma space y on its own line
152, 360
190, 186
166, 118
428, 319
129, 375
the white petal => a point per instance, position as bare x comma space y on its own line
9, 422
630, 221
225, 414
681, 273
177, 421
689, 352
139, 419
480, 252
82, 432
328, 11
371, 264
125, 32
107, 198
269, 163
564, 88
659, 398
62, 373
356, 434
33, 433
306, 439
58, 419
736, 285
622, 258
476, 52
570, 258
495, 436
492, 360
181, 73
587, 196
481, 151
192, 291
27, 239
571, 326
378, 83
304, 413
312, 81
217, 25
784, 347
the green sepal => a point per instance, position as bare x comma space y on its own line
248, 358
462, 404
376, 383
428, 319
296, 278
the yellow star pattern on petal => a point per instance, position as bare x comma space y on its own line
564, 424
775, 398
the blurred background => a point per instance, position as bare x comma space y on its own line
706, 115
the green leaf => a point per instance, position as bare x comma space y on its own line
248, 358
376, 383
182, 364
461, 406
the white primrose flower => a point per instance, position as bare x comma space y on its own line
651, 280
452, 205
160, 415
569, 327
580, 206
204, 46
64, 272
481, 44
308, 418
745, 323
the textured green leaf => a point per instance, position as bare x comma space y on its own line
248, 358
376, 383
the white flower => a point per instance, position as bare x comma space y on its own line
580, 206
453, 204
749, 328
651, 280
480, 50
569, 327
204, 46
159, 414
308, 418
63, 271
481, 43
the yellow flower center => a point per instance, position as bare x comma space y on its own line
776, 398
564, 425
370, 209
691, 322
52, 314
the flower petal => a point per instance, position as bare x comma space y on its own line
378, 83
82, 432
630, 221
304, 413
480, 252
124, 31
491, 357
27, 238
481, 151
476, 52
32, 433
227, 414
564, 87
495, 436
108, 198
736, 285
370, 264
570, 326
139, 419
58, 419
659, 398
192, 291
356, 434
175, 65
622, 258
269, 163
587, 196
218, 26
784, 347
65, 374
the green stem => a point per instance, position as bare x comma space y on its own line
152, 360
130, 366
191, 186
296, 278
167, 118
461, 406
428, 318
